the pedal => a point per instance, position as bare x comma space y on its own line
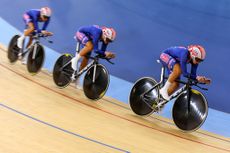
20, 56
160, 108
74, 76
160, 105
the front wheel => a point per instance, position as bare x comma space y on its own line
35, 59
13, 49
190, 115
141, 103
96, 82
63, 71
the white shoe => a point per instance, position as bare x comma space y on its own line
24, 58
24, 62
78, 84
73, 76
20, 42
164, 94
160, 109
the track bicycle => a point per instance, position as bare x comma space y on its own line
190, 108
35, 51
96, 79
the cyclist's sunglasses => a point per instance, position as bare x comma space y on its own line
198, 60
46, 17
108, 40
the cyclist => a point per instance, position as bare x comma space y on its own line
89, 37
175, 59
31, 19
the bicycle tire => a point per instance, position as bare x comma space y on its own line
13, 50
35, 65
190, 120
62, 76
96, 90
136, 102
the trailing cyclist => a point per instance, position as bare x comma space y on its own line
31, 19
175, 59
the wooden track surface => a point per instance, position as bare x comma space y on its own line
38, 117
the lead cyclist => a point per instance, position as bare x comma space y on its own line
175, 59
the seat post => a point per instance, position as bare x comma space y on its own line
78, 47
162, 77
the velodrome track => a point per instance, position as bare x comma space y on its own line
38, 117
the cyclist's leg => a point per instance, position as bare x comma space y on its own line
88, 47
30, 41
84, 62
28, 30
86, 50
85, 53
174, 76
24, 60
168, 62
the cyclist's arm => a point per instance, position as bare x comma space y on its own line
35, 22
184, 68
193, 71
95, 44
46, 24
36, 26
102, 50
183, 63
191, 75
104, 46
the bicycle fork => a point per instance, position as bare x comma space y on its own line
94, 72
34, 51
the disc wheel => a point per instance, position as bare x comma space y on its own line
96, 89
13, 50
63, 71
142, 104
35, 62
189, 116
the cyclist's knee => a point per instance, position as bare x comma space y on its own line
86, 50
177, 70
28, 31
89, 45
176, 84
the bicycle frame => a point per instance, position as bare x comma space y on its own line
189, 109
160, 84
93, 62
35, 44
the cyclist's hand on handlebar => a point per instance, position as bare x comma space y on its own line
47, 33
207, 80
109, 54
203, 79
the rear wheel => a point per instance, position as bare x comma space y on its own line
35, 59
96, 89
13, 49
142, 104
63, 71
189, 116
